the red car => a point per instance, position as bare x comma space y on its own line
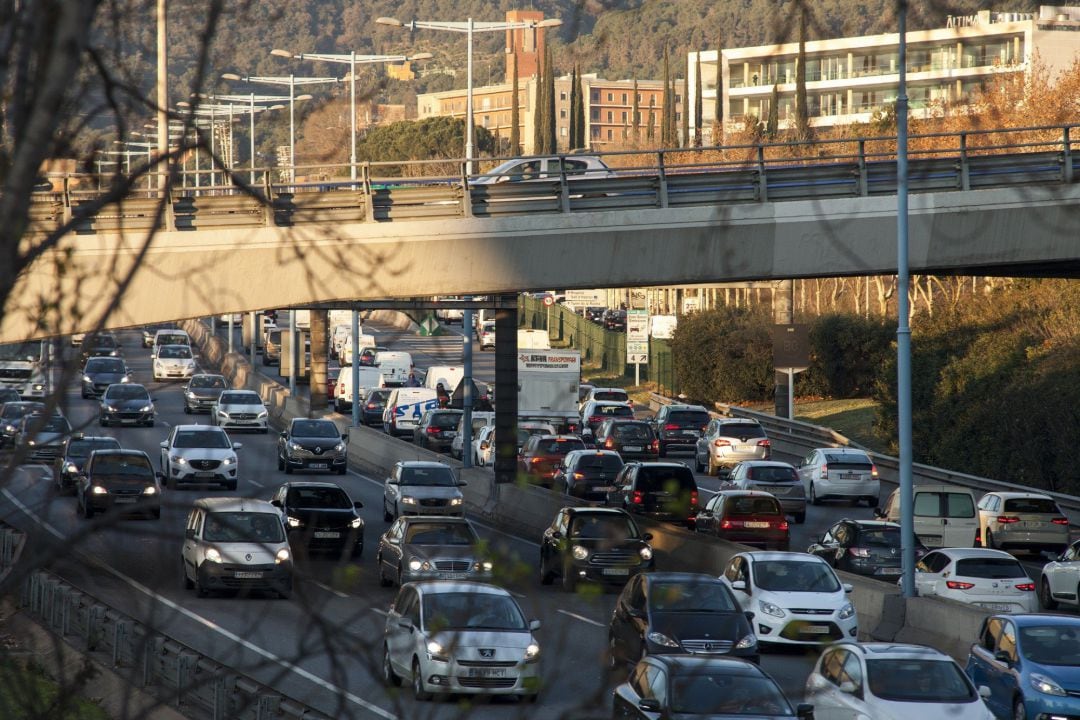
750, 517
331, 382
542, 454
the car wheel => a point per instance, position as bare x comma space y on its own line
231, 485
418, 683
101, 422
800, 518
170, 483
285, 591
1046, 600
698, 467
342, 470
988, 539
156, 514
546, 576
183, 574
1019, 709
389, 676
386, 515
187, 409
712, 470
87, 510
813, 495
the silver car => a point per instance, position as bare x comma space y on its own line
241, 410
430, 547
460, 637
727, 441
199, 454
779, 479
417, 487
1022, 521
535, 169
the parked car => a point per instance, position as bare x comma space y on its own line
678, 613
779, 479
659, 490
990, 579
119, 480
126, 403
595, 412
174, 362
236, 544
101, 372
542, 454
944, 515
451, 630
321, 517
312, 445
1060, 579
425, 547
588, 474
1022, 521
892, 681
240, 410
678, 427
749, 517
601, 545
796, 598
863, 547
202, 392
1029, 663
840, 474
199, 454
418, 487
437, 430
727, 441
632, 439
69, 463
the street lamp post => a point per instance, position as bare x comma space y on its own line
351, 59
250, 99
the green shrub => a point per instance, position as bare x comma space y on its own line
724, 355
846, 354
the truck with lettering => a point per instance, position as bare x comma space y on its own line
404, 408
548, 388
24, 367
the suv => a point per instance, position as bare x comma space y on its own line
437, 429
632, 439
321, 516
419, 487
486, 335
312, 445
72, 458
660, 490
599, 544
679, 426
235, 544
199, 454
727, 441
118, 479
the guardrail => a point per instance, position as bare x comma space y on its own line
196, 683
666, 178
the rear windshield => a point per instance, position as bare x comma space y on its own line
1031, 505
446, 420
558, 447
688, 418
743, 431
632, 431
613, 410
773, 474
610, 395
378, 396
665, 478
752, 506
599, 463
993, 568
887, 537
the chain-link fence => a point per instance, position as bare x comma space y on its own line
600, 349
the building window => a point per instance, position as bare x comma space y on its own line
639, 98
596, 133
562, 113
595, 115
596, 96
611, 97
486, 119
610, 115
624, 98
562, 131
678, 117
609, 137
623, 117
678, 98
562, 96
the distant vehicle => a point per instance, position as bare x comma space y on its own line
174, 362
1022, 521
171, 336
534, 169
606, 394
405, 407
448, 375
678, 427
125, 403
240, 410
863, 547
945, 515
747, 517
70, 461
42, 437
484, 446
1060, 582
588, 474
102, 345
542, 454
841, 473
779, 479
312, 445
486, 335
371, 411
11, 415
596, 411
614, 320
632, 439
395, 367
533, 340
659, 490
23, 367
480, 419
101, 372
370, 378
437, 429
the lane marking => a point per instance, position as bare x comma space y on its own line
329, 589
377, 610
247, 644
256, 483
582, 618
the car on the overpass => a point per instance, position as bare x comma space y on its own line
534, 169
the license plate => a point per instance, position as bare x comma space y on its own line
849, 476
327, 534
931, 540
691, 433
998, 607
605, 488
205, 474
450, 433
887, 571
128, 420
632, 448
124, 500
815, 630
318, 466
753, 524
616, 571
452, 576
240, 574
1034, 524
487, 672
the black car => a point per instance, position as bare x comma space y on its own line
678, 427
69, 463
42, 438
598, 544
11, 415
632, 439
588, 474
104, 345
123, 480
126, 403
312, 445
678, 613
688, 686
864, 547
615, 320
367, 355
321, 517
594, 314
8, 394
371, 411
202, 391
660, 490
101, 372
437, 430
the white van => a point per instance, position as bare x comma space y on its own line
345, 353
533, 340
448, 375
338, 335
405, 407
395, 367
370, 378
172, 336
339, 317
945, 515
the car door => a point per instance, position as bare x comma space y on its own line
823, 688
1001, 675
826, 547
391, 490
928, 572
390, 547
981, 656
1063, 574
706, 520
617, 496
632, 619
166, 451
806, 470
701, 448
189, 552
738, 570
400, 630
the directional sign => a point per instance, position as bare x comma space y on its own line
635, 358
637, 337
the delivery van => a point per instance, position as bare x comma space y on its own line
395, 367
945, 515
448, 375
370, 378
405, 407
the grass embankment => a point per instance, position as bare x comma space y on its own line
26, 692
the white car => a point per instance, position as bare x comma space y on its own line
1060, 581
1022, 521
480, 420
990, 579
796, 598
460, 637
839, 473
199, 454
241, 410
484, 447
486, 335
607, 395
887, 681
174, 362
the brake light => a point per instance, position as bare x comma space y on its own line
656, 445
638, 498
729, 524
764, 443
1007, 519
671, 426
703, 428
1060, 521
824, 472
719, 442
693, 497
596, 419
433, 430
609, 443
579, 476
1028, 587
859, 552
873, 470
571, 427
371, 406
535, 460
958, 585
782, 525
485, 445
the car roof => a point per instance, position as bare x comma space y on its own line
844, 451
319, 420
767, 555
767, 463
606, 403
435, 587
696, 664
207, 375
662, 464
597, 389
897, 651
193, 426
744, 493
120, 451
92, 438
730, 420
587, 452
678, 577
696, 408
1027, 495
453, 519
965, 553
598, 511
1030, 619
235, 504
422, 464
944, 488
312, 484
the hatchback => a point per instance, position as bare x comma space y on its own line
174, 362
312, 445
839, 474
542, 454
127, 403
748, 517
601, 545
990, 579
595, 412
776, 478
1060, 582
632, 439
202, 392
727, 441
1022, 521
240, 410
437, 430
118, 480
417, 487
863, 547
588, 474
101, 372
70, 461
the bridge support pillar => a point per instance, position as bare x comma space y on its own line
783, 314
506, 390
317, 370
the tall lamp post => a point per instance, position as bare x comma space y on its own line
251, 99
213, 112
291, 81
352, 59
469, 27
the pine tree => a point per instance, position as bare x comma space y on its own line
718, 107
772, 125
515, 119
697, 102
635, 115
550, 126
802, 112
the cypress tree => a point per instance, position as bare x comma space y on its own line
538, 111
635, 115
515, 115
802, 112
685, 141
772, 125
718, 107
666, 130
551, 141
577, 112
649, 132
697, 102
572, 140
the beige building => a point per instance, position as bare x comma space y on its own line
849, 79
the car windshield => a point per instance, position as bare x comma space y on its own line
610, 395
243, 527
136, 466
447, 421
772, 474
440, 476
208, 381
690, 596
430, 533
104, 365
55, 424
719, 694
1031, 505
748, 505
9, 395
795, 576
630, 432
1051, 644
175, 352
919, 681
127, 392
328, 498
471, 611
886, 537
172, 339
14, 411
105, 342
743, 431
599, 463
558, 446
83, 448
607, 527
240, 398
315, 429
215, 439
994, 568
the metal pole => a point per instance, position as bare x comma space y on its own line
251, 132
791, 393
198, 159
292, 131
469, 107
903, 331
292, 352
466, 388
229, 157
352, 117
355, 368
230, 332
213, 149
162, 85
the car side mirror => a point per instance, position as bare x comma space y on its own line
405, 624
749, 615
276, 503
649, 704
879, 513
849, 688
534, 624
636, 613
283, 434
984, 692
237, 446
164, 444
158, 474
189, 533
345, 437
647, 537
1002, 656
556, 535
739, 585
848, 587
461, 483
358, 505
705, 513
391, 481
805, 711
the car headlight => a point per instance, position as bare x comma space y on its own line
263, 414
177, 460
340, 447
408, 500
150, 490
454, 502
357, 523
646, 553
485, 566
106, 408
146, 408
771, 609
416, 565
229, 461
112, 353
282, 556
1045, 685
125, 379
532, 652
9, 428
87, 378
747, 642
661, 639
437, 651
222, 413
847, 611
294, 446
99, 490
579, 552
212, 555
294, 522
31, 443
71, 468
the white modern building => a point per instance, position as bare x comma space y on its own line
849, 79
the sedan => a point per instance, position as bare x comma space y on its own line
199, 454
321, 517
990, 579
434, 547
101, 372
174, 362
747, 517
202, 392
240, 410
312, 445
417, 487
864, 547
124, 404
